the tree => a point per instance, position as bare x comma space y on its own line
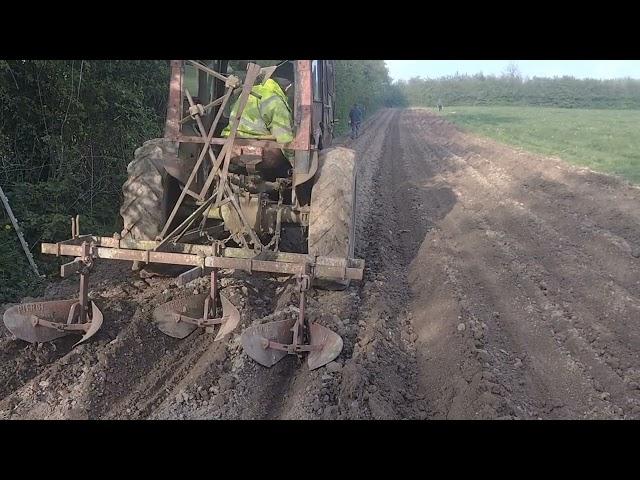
513, 72
367, 83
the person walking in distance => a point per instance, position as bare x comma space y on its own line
355, 117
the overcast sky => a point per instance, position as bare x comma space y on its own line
405, 69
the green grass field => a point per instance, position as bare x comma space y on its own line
604, 140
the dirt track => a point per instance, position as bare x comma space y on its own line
499, 284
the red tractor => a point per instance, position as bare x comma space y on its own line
201, 199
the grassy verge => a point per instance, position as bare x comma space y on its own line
604, 140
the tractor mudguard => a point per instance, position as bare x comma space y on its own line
305, 169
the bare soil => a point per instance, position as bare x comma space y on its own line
498, 284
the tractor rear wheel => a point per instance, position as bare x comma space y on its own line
332, 211
149, 193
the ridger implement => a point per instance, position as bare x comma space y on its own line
45, 321
266, 343
172, 319
204, 200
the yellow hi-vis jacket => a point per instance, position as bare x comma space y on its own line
265, 117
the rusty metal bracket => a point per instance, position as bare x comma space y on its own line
196, 110
61, 327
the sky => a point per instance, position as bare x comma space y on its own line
601, 69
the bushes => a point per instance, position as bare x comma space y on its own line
68, 131
565, 92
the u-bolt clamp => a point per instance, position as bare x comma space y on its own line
216, 248
196, 111
87, 256
304, 282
